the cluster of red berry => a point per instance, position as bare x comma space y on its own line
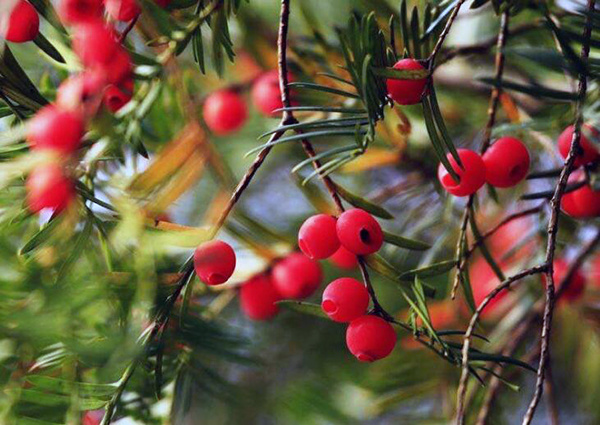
22, 24
107, 79
225, 111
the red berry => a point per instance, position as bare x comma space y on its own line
22, 25
214, 262
483, 281
115, 97
266, 95
79, 11
344, 259
122, 10
590, 152
93, 417
48, 187
258, 298
118, 69
163, 3
583, 202
472, 176
76, 90
317, 237
297, 276
345, 299
506, 162
95, 43
55, 128
370, 338
224, 112
576, 284
407, 92
359, 232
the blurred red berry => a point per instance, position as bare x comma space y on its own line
214, 262
472, 176
406, 92
258, 298
576, 285
78, 89
48, 187
583, 202
115, 97
93, 417
95, 43
359, 232
506, 162
163, 3
22, 25
266, 95
118, 69
590, 152
54, 128
344, 259
483, 281
122, 10
370, 338
345, 299
80, 11
297, 276
224, 112
318, 238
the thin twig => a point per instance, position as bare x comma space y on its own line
551, 397
444, 34
553, 222
128, 29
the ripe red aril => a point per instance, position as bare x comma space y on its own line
407, 92
583, 202
55, 128
115, 97
119, 69
506, 162
93, 417
576, 285
258, 298
370, 338
224, 111
318, 238
483, 281
214, 262
297, 276
79, 11
344, 259
472, 176
359, 232
590, 152
22, 24
266, 95
48, 187
122, 10
79, 89
345, 299
95, 43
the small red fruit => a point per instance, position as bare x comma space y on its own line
317, 237
297, 276
93, 417
483, 281
224, 112
80, 11
472, 176
119, 69
576, 284
589, 153
95, 43
583, 202
122, 10
359, 232
115, 97
214, 262
22, 25
48, 187
55, 128
370, 338
344, 259
345, 299
407, 92
266, 95
78, 89
258, 298
506, 162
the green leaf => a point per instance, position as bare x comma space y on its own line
384, 268
441, 126
78, 249
324, 89
498, 358
47, 399
438, 145
40, 237
333, 123
303, 307
62, 386
47, 47
403, 242
363, 203
483, 248
428, 271
532, 90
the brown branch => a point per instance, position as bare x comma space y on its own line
444, 34
553, 223
128, 29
